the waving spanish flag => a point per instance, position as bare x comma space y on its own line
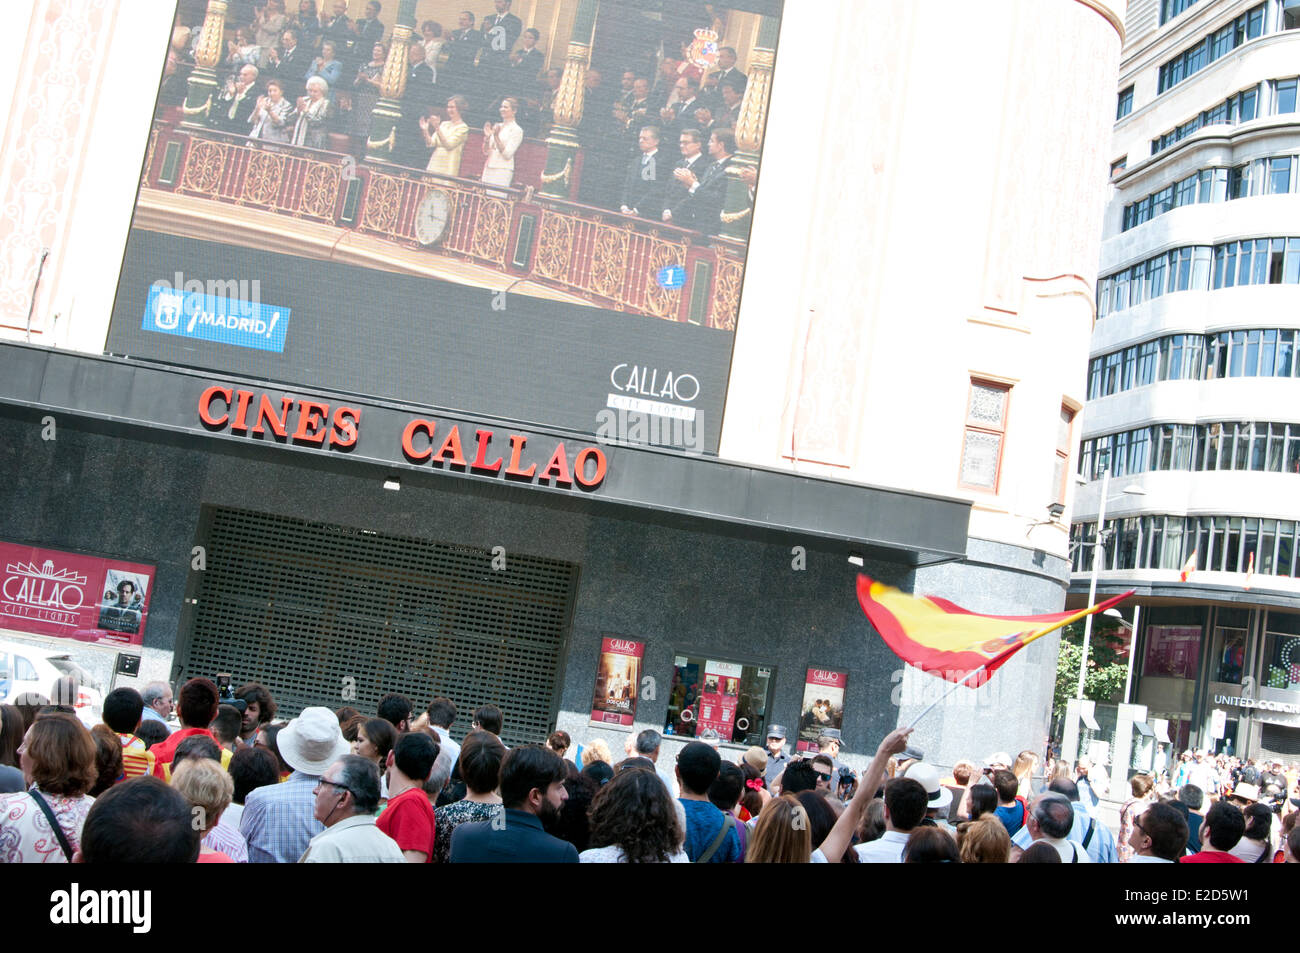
946, 640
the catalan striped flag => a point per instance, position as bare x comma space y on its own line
944, 639
1189, 567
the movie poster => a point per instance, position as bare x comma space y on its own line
719, 697
822, 708
73, 596
618, 674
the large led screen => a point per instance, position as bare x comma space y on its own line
537, 212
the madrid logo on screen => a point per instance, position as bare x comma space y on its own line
225, 312
167, 309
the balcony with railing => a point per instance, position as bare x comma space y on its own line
581, 252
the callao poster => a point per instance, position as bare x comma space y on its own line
718, 698
74, 596
823, 706
618, 673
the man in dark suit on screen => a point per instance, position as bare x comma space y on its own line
532, 789
681, 186
290, 64
643, 188
727, 72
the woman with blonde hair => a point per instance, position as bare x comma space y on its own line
447, 138
596, 750
1143, 787
1023, 769
209, 789
783, 834
983, 842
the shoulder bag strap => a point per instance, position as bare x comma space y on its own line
54, 823
727, 823
1087, 838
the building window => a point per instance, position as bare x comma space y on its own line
1284, 96
1171, 8
1240, 107
1256, 261
1210, 48
1125, 105
986, 427
1118, 166
732, 698
1202, 186
1282, 651
1230, 445
1222, 544
1064, 431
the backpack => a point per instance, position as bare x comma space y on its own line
1024, 809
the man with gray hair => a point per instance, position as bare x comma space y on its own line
441, 771
159, 703
347, 796
1050, 820
648, 744
1087, 831
234, 107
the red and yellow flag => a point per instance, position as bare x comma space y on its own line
944, 639
1189, 567
1250, 573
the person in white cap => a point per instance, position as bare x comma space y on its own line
279, 819
939, 798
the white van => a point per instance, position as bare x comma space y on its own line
26, 668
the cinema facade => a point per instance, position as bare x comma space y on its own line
374, 479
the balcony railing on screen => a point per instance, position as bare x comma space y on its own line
609, 260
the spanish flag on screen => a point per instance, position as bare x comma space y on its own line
946, 640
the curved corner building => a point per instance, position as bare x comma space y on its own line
1194, 377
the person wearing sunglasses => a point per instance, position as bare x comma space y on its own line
347, 796
825, 770
1159, 835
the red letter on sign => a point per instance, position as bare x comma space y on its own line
311, 422
480, 459
408, 440
516, 447
451, 445
242, 397
346, 422
265, 411
559, 463
580, 467
205, 405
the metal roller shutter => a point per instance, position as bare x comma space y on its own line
332, 615
1279, 741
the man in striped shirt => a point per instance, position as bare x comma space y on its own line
122, 712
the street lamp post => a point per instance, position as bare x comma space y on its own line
1097, 547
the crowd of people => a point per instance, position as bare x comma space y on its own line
231, 783
656, 146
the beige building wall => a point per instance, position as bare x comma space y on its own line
935, 178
